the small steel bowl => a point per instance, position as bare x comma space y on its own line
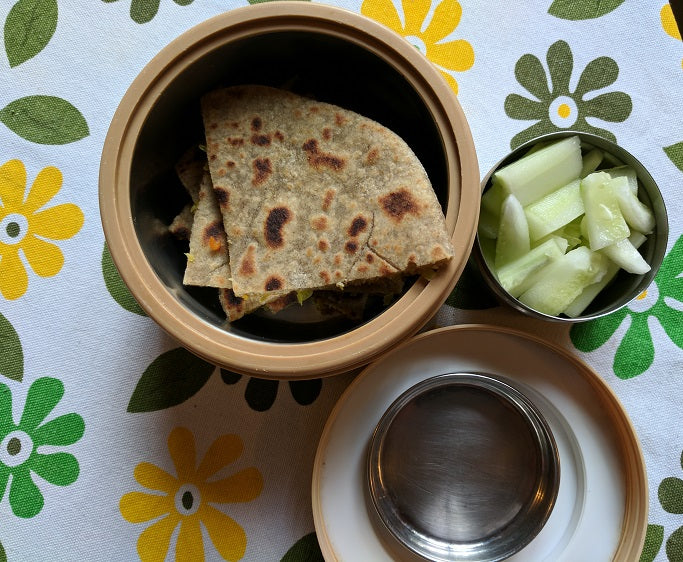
462, 466
625, 286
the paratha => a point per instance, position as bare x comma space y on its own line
314, 196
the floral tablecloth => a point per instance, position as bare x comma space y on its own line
116, 444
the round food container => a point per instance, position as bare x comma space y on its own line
321, 52
618, 287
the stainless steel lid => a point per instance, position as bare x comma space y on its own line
462, 466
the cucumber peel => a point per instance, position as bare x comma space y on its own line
555, 210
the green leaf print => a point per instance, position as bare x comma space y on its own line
675, 154
169, 380
29, 27
11, 353
45, 120
582, 9
3, 554
143, 11
115, 285
306, 549
653, 542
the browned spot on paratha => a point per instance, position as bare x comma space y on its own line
256, 124
351, 247
213, 230
319, 160
325, 276
327, 200
358, 225
339, 119
319, 222
247, 265
230, 164
327, 133
369, 257
314, 109
275, 222
232, 299
273, 283
235, 141
222, 196
372, 156
262, 170
212, 157
438, 253
363, 268
337, 259
398, 204
260, 140
279, 136
323, 245
386, 271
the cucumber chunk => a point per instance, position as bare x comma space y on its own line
489, 216
625, 172
604, 224
513, 232
626, 255
591, 161
636, 214
518, 275
587, 296
565, 279
542, 171
554, 210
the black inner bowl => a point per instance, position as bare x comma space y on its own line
312, 64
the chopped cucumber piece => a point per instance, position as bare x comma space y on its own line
626, 172
513, 232
587, 296
517, 276
591, 161
554, 210
626, 255
604, 224
636, 214
489, 216
544, 170
563, 280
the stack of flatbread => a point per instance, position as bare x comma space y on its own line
297, 197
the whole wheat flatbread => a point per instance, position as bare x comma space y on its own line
316, 196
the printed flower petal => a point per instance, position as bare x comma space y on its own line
446, 18
532, 132
519, 107
24, 496
182, 448
12, 185
223, 451
154, 541
227, 536
666, 15
154, 478
583, 125
45, 258
190, 545
47, 184
560, 65
6, 421
670, 494
531, 75
669, 276
589, 336
13, 276
414, 13
636, 352
60, 469
42, 397
138, 507
4, 478
453, 55
57, 223
243, 486
671, 320
382, 11
599, 73
64, 430
614, 107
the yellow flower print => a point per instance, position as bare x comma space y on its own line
448, 56
668, 20
185, 499
25, 225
